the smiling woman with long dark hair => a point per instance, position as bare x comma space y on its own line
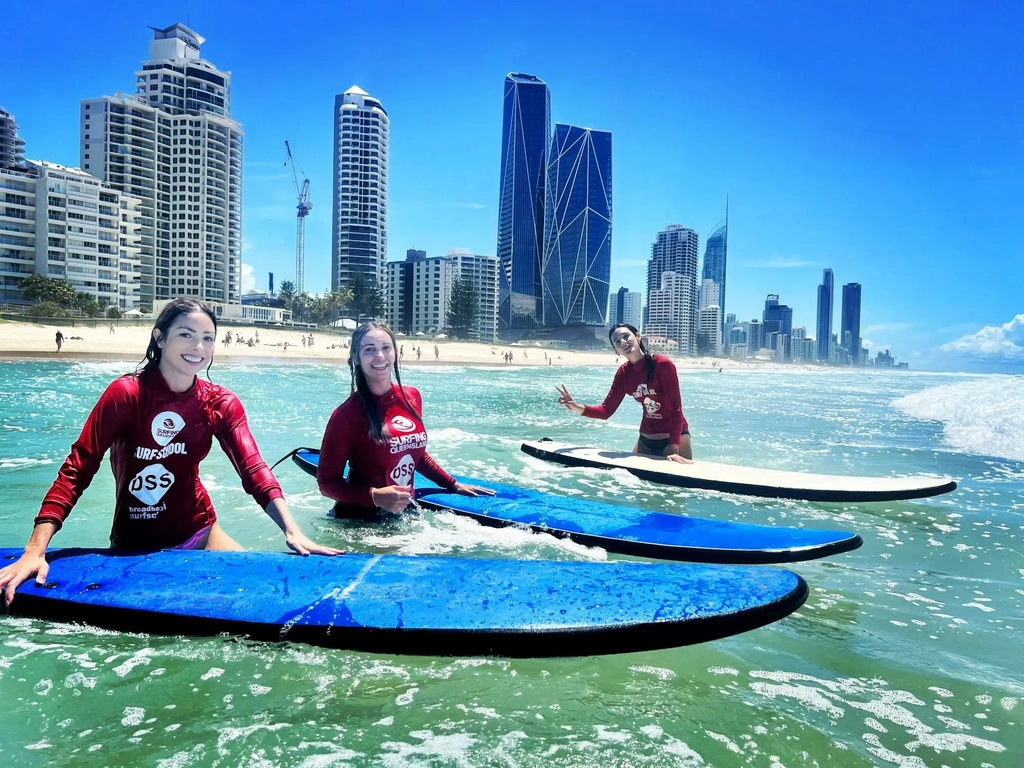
651, 380
378, 432
158, 424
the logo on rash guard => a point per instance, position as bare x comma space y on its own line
402, 424
651, 408
150, 485
165, 426
403, 471
643, 391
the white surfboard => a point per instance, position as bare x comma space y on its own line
752, 481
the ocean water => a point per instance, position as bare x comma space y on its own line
907, 652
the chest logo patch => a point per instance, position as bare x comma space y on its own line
402, 424
150, 485
403, 471
165, 426
651, 407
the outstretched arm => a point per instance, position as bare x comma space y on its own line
296, 539
564, 398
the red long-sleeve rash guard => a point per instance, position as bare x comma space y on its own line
156, 439
375, 465
660, 398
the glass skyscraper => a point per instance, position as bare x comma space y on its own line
578, 227
715, 253
525, 133
850, 328
824, 335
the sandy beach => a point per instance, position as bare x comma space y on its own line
87, 339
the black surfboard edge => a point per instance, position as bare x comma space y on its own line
525, 644
648, 550
763, 491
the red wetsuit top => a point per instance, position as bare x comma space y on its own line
156, 439
663, 407
394, 461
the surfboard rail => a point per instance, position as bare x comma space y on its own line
749, 481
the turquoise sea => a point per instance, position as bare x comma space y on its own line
906, 653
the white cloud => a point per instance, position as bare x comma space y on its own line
995, 342
781, 263
248, 278
880, 327
474, 206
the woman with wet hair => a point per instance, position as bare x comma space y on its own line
378, 432
651, 380
159, 424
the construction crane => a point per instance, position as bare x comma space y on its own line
301, 211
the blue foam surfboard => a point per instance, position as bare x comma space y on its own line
411, 604
628, 530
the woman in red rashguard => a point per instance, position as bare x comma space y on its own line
158, 424
378, 432
650, 380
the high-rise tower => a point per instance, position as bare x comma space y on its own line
173, 145
525, 133
360, 235
676, 250
850, 328
824, 329
716, 252
578, 227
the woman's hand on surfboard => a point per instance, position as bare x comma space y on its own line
564, 398
471, 490
393, 498
679, 459
21, 570
300, 543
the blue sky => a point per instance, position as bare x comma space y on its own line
883, 140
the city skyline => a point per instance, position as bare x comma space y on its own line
883, 195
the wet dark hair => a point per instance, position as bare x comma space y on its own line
378, 431
648, 360
171, 312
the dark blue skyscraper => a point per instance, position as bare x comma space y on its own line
850, 328
824, 335
777, 318
715, 257
578, 227
525, 133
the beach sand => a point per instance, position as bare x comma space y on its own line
88, 340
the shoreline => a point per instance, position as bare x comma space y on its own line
93, 341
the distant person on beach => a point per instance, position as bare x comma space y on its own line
60, 341
303, 341
419, 351
257, 336
378, 432
401, 352
437, 353
159, 424
652, 382
111, 329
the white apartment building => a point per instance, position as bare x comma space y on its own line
418, 290
359, 243
483, 272
709, 323
12, 148
670, 312
174, 146
676, 249
92, 233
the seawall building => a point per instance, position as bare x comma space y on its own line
359, 243
675, 250
173, 145
64, 223
850, 326
824, 329
576, 268
525, 135
626, 307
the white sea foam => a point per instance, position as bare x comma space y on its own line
981, 416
